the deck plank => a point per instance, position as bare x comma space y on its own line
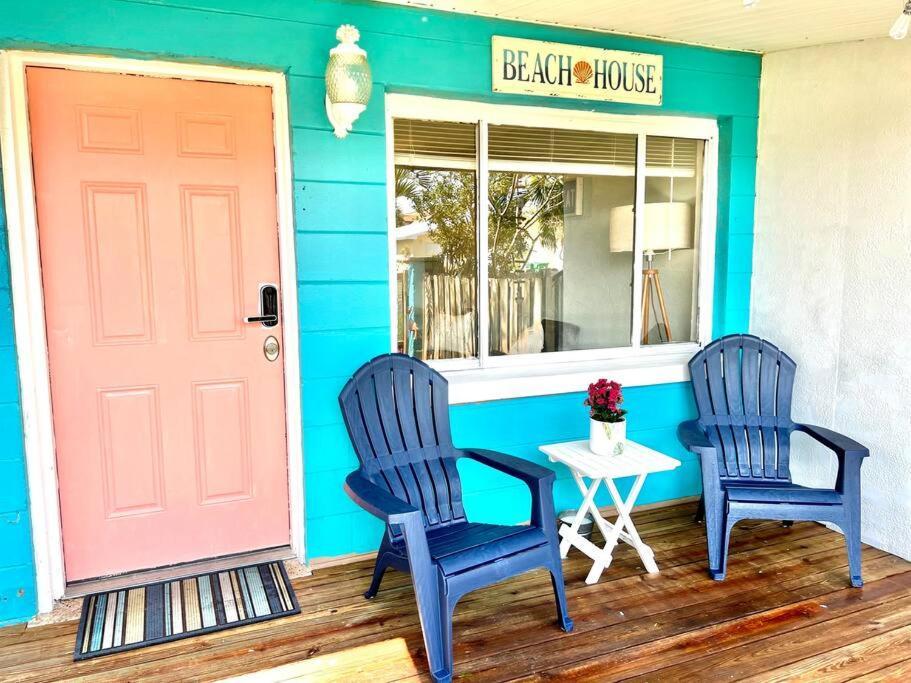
766, 621
844, 663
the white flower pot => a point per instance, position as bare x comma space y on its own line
606, 438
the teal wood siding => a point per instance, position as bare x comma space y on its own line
17, 570
340, 214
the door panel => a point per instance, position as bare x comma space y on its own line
157, 226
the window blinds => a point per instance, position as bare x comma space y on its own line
552, 145
676, 153
454, 145
423, 142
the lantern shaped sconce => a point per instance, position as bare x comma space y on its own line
348, 81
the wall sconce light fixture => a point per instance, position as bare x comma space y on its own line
348, 81
900, 27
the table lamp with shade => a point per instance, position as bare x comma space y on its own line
667, 226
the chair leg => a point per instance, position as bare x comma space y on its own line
447, 607
699, 518
714, 530
382, 563
852, 541
436, 626
378, 571
729, 523
556, 578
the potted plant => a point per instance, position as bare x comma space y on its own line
607, 424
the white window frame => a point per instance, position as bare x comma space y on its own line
495, 377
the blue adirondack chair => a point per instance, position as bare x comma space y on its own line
396, 409
743, 388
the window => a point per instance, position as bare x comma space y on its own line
517, 240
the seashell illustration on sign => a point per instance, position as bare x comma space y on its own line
583, 72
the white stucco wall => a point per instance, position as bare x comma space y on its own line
832, 259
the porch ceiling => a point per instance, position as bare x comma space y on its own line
768, 26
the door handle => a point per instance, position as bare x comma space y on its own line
266, 320
268, 307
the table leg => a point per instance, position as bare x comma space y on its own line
611, 533
588, 497
624, 521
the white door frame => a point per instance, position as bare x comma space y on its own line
28, 299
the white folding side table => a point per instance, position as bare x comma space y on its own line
635, 461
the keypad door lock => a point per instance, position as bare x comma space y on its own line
268, 307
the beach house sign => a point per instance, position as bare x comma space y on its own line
534, 67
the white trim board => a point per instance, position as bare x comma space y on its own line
28, 302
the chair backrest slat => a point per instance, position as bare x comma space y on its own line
743, 387
428, 434
768, 405
787, 368
396, 409
749, 379
733, 390
720, 434
366, 397
389, 421
404, 408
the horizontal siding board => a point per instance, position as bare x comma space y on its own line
11, 446
13, 492
740, 214
740, 253
7, 331
743, 175
738, 286
334, 353
326, 447
344, 534
153, 29
736, 321
698, 92
340, 306
323, 499
320, 400
16, 538
17, 593
319, 155
340, 206
359, 257
744, 132
9, 375
563, 417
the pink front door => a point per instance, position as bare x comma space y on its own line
157, 226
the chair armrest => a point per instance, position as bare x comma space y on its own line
378, 501
527, 471
540, 482
693, 436
850, 457
841, 444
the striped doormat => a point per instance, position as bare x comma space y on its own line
161, 612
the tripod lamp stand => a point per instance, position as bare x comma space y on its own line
668, 226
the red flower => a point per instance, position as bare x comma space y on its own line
604, 399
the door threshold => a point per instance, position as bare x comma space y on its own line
78, 589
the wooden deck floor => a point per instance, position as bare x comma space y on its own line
785, 613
